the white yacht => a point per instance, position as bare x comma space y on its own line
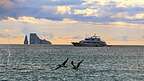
93, 41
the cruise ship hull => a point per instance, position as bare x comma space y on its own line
88, 45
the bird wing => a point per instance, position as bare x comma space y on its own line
79, 63
57, 68
65, 61
72, 63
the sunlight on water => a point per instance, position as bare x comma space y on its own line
36, 63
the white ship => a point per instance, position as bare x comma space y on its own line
93, 41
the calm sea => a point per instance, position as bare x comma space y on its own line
37, 63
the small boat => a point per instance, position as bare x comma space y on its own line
93, 41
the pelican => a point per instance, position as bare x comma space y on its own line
62, 65
76, 67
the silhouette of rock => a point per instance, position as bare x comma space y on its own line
26, 40
34, 39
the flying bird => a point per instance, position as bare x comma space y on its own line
62, 65
76, 67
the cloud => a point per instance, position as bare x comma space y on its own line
86, 12
128, 16
127, 3
97, 11
6, 4
36, 21
63, 9
119, 3
30, 24
121, 23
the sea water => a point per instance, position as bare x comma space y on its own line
37, 63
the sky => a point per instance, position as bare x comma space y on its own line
118, 22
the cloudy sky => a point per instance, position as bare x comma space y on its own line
64, 21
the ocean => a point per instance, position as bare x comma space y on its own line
37, 63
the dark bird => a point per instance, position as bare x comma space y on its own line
62, 65
76, 67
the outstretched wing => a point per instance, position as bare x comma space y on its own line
57, 68
62, 65
79, 63
72, 63
65, 61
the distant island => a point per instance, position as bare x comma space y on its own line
34, 39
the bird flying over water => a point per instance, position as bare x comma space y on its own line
76, 67
62, 65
